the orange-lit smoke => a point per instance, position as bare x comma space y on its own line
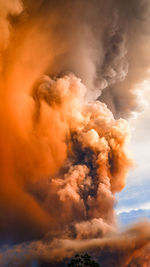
68, 164
73, 148
62, 153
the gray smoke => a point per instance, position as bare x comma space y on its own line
63, 154
105, 43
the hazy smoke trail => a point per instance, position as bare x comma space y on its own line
125, 249
63, 154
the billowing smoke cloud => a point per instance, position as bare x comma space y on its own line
63, 153
123, 249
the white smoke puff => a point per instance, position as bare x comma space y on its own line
90, 138
99, 115
120, 129
70, 85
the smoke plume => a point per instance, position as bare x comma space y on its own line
69, 73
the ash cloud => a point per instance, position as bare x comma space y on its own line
105, 44
126, 249
69, 71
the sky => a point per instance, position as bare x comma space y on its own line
134, 198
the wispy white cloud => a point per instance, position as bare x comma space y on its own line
145, 206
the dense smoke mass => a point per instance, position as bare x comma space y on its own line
69, 73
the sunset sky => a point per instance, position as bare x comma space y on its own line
134, 199
74, 132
